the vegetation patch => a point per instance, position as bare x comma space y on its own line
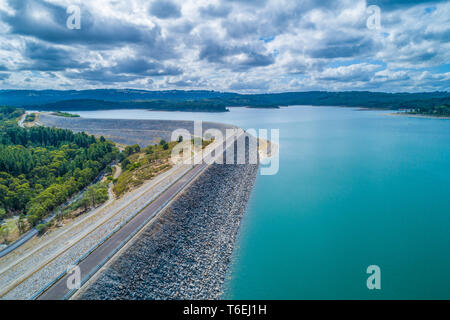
139, 165
41, 167
9, 230
437, 111
65, 114
93, 197
176, 100
31, 117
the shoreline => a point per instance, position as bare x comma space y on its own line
421, 116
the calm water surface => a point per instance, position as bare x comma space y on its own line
355, 188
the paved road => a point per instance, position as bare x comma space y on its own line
101, 254
93, 262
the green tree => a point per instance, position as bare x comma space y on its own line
4, 233
21, 225
42, 167
41, 228
86, 203
129, 150
2, 214
125, 163
149, 150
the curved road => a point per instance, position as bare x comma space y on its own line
22, 119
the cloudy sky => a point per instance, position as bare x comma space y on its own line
226, 45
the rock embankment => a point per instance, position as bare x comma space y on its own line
186, 252
142, 132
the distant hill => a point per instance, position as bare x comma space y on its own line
213, 101
38, 97
204, 105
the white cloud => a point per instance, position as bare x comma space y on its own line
261, 45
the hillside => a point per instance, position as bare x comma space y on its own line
212, 101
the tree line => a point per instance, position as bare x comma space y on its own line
41, 167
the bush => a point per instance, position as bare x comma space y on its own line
21, 224
41, 228
125, 163
94, 195
32, 219
134, 166
2, 214
129, 150
30, 117
149, 150
121, 156
4, 233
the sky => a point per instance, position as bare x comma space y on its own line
246, 46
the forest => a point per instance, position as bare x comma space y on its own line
437, 111
41, 167
205, 105
214, 101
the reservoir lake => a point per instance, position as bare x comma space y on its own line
355, 188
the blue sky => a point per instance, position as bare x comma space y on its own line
227, 45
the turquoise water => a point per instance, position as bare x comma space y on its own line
355, 188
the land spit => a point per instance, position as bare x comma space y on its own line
186, 251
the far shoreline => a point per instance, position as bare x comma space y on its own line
421, 116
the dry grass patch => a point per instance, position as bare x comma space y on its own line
144, 165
